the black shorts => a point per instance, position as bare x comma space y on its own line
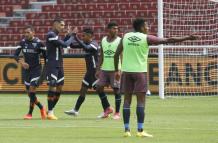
32, 75
55, 76
90, 80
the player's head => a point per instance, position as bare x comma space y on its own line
58, 24
87, 34
112, 28
29, 32
140, 25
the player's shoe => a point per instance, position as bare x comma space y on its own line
27, 117
106, 113
43, 113
127, 134
72, 112
143, 134
51, 117
116, 116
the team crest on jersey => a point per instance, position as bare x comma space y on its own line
134, 39
34, 45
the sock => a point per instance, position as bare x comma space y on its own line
126, 117
104, 100
56, 98
32, 102
117, 102
35, 100
140, 117
79, 102
50, 100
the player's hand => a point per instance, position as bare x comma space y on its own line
75, 30
69, 30
25, 65
117, 75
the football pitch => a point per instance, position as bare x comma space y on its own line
173, 120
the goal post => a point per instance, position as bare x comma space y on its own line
190, 67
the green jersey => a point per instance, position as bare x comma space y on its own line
135, 52
109, 49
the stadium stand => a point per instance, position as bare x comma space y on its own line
94, 13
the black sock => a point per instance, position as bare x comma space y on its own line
32, 102
50, 99
56, 98
126, 117
79, 102
104, 100
140, 117
35, 100
117, 102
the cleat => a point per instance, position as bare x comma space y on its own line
106, 113
43, 113
52, 117
143, 134
116, 116
127, 134
27, 117
72, 112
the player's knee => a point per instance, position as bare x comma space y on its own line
126, 105
52, 83
99, 89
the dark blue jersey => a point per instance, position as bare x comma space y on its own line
54, 49
92, 50
31, 51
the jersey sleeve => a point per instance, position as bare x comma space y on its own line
53, 38
18, 50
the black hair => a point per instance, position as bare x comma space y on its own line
112, 24
138, 23
88, 30
29, 27
58, 19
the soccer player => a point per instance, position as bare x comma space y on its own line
91, 48
105, 71
31, 47
55, 72
134, 46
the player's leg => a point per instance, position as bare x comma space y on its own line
75, 111
59, 85
116, 89
52, 74
140, 88
27, 84
126, 112
103, 81
34, 76
127, 89
86, 83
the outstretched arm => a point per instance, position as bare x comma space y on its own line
90, 47
153, 40
54, 39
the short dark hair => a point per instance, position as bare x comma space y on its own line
112, 24
29, 27
88, 30
138, 23
58, 19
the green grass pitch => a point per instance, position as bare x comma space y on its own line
173, 120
